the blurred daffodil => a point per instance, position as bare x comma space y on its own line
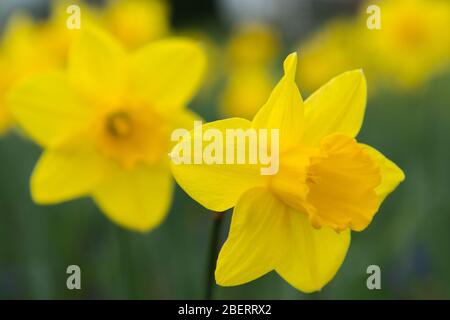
413, 42
250, 54
246, 90
105, 124
329, 52
298, 221
21, 54
29, 47
136, 22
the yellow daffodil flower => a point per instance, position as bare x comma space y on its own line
297, 221
333, 49
247, 89
136, 22
105, 124
29, 47
413, 42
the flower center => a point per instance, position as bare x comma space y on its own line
133, 135
410, 32
119, 124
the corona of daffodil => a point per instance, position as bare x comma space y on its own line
298, 221
105, 124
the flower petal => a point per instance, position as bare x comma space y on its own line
337, 107
167, 73
256, 239
313, 255
284, 108
137, 199
62, 175
215, 186
391, 174
47, 109
97, 66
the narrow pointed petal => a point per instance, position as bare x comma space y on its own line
391, 174
256, 239
216, 186
97, 66
46, 107
65, 175
313, 255
284, 108
167, 73
138, 199
337, 107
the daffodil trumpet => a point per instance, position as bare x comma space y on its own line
298, 221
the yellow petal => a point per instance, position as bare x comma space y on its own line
216, 186
391, 174
313, 255
97, 66
337, 107
167, 73
256, 239
62, 175
47, 109
284, 108
138, 199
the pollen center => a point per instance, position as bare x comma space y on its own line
119, 124
133, 135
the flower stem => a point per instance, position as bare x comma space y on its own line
213, 252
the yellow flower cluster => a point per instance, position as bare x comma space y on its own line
411, 45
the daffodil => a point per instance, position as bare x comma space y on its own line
29, 47
413, 42
250, 54
21, 54
136, 22
297, 221
105, 124
331, 50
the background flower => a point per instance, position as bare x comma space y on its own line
105, 124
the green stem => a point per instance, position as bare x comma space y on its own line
213, 253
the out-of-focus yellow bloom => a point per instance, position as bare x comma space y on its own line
105, 124
21, 54
329, 52
253, 44
298, 221
412, 45
247, 89
413, 42
137, 22
30, 46
251, 52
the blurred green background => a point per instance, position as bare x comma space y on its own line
408, 238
